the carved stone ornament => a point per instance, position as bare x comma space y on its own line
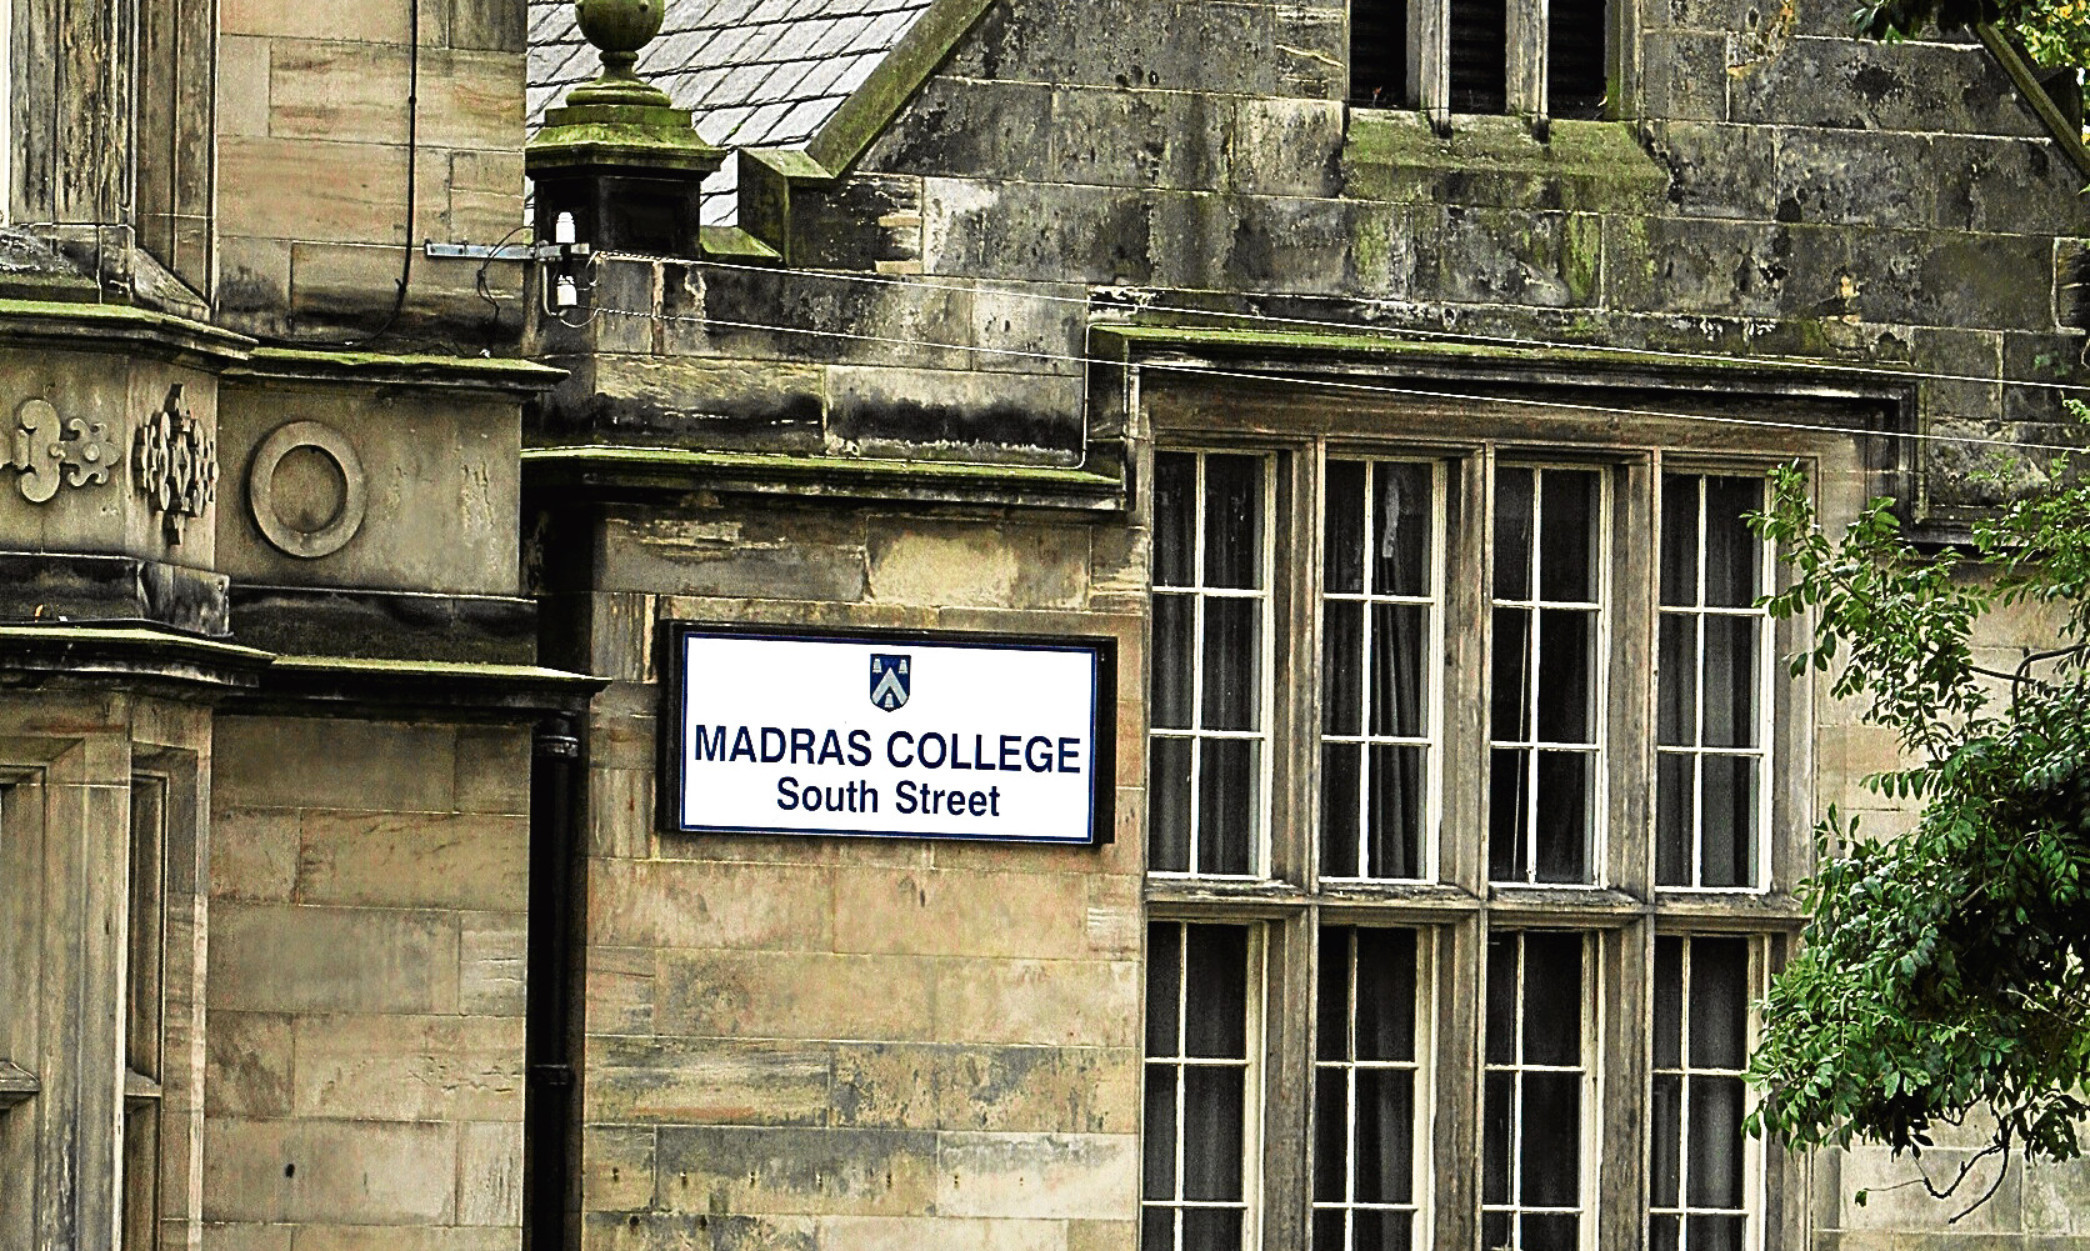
48, 451
175, 464
314, 509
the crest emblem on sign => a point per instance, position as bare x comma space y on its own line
889, 681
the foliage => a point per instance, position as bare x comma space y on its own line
2054, 32
1943, 971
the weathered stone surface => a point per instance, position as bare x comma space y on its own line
276, 958
409, 1068
416, 860
786, 1171
365, 1173
1036, 1176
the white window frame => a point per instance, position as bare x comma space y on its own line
1599, 748
1591, 1068
1755, 1171
1422, 1197
1432, 740
1765, 691
1265, 737
1255, 975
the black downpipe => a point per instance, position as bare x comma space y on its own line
553, 972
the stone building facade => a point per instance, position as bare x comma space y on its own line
1380, 383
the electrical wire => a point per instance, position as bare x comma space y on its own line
1135, 299
1372, 388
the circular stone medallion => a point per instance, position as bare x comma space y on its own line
306, 489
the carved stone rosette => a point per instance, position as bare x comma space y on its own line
175, 464
48, 451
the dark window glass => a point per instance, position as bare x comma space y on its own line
1175, 519
1234, 521
1479, 50
1379, 54
1575, 61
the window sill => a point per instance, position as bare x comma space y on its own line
1396, 157
1730, 909
1420, 900
1188, 897
1579, 907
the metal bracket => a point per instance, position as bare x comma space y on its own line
505, 252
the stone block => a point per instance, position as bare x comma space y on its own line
681, 1081
1012, 417
1717, 170
493, 770
940, 1233
490, 1174
1118, 138
617, 1166
886, 1086
1102, 1235
488, 24
356, 92
1033, 232
782, 1171
620, 989
1091, 1003
960, 914
248, 1065
410, 1068
253, 274
1694, 265
346, 192
1905, 1209
368, 766
728, 404
383, 22
806, 557
794, 995
959, 127
244, 1237
1003, 567
1554, 260
657, 903
324, 1172
1855, 178
1038, 1176
348, 1237
269, 957
1286, 147
1018, 329
1841, 83
415, 860
254, 854
243, 85
492, 959
673, 1231
2054, 1197
1684, 75
1077, 1090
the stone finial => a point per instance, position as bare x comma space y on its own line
618, 156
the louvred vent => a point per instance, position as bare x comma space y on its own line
1575, 80
1379, 54
1479, 43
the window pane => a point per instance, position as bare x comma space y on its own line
1552, 999
1513, 516
1233, 664
1233, 521
1399, 639
1549, 1233
1382, 1231
1719, 1002
1227, 798
1727, 821
1508, 797
1502, 999
1479, 48
1679, 539
1566, 685
1565, 808
1212, 1120
1342, 535
1673, 819
1401, 552
1665, 1139
1168, 823
1385, 994
1575, 67
1385, 1135
1331, 1135
1494, 1230
1661, 1233
1216, 966
1552, 1154
1716, 1233
1175, 519
1328, 1232
1211, 1229
1396, 815
1730, 681
1164, 986
1733, 557
1157, 1229
1509, 703
1714, 1179
1495, 1138
1332, 1030
1568, 515
1669, 1003
1175, 644
1342, 667
1676, 701
1341, 795
1160, 1149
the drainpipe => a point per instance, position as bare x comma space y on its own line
551, 1125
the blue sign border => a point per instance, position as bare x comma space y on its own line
671, 651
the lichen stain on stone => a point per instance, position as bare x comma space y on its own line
1764, 42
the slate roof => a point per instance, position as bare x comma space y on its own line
757, 73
